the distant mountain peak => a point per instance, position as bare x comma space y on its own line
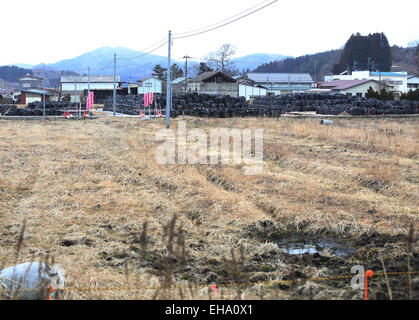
101, 62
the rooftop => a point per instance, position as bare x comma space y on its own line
210, 74
389, 74
93, 79
280, 77
344, 84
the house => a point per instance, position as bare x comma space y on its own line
412, 83
351, 87
179, 85
213, 82
283, 83
74, 86
397, 81
30, 82
150, 84
33, 95
217, 82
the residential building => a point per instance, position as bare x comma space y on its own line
217, 82
351, 87
33, 95
283, 83
179, 85
150, 84
412, 83
30, 82
397, 81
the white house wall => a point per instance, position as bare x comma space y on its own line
151, 85
249, 91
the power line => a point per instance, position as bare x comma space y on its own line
146, 49
227, 23
212, 25
145, 53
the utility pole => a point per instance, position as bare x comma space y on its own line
169, 83
43, 89
75, 92
88, 82
186, 71
114, 84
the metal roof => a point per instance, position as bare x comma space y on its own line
413, 80
345, 84
389, 74
47, 93
280, 77
28, 77
93, 79
178, 80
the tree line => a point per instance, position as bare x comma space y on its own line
13, 73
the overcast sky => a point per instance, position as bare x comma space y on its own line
49, 30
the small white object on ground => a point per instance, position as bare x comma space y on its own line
327, 122
30, 281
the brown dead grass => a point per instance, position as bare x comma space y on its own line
95, 183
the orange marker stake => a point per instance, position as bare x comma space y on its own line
368, 274
50, 290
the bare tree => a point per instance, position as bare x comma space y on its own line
221, 58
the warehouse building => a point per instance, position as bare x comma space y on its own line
75, 86
283, 83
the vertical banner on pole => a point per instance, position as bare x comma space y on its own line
151, 97
92, 98
146, 100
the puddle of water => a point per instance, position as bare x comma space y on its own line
312, 247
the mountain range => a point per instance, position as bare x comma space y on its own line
131, 63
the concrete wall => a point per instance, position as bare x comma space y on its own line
226, 89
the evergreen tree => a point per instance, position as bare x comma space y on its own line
371, 94
204, 68
159, 72
370, 52
176, 72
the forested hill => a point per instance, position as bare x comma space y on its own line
319, 63
361, 52
13, 73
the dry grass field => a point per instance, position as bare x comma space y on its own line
91, 195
